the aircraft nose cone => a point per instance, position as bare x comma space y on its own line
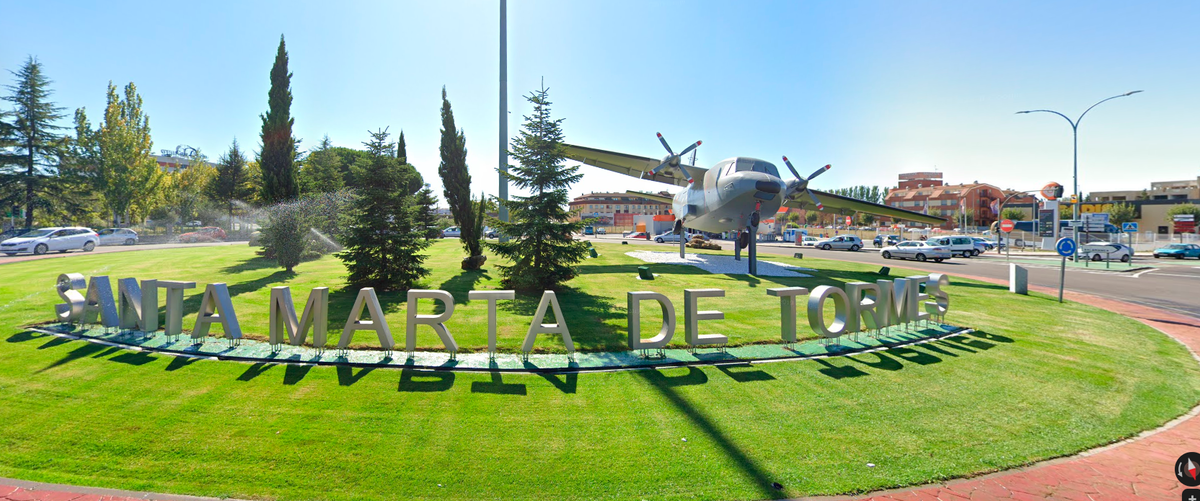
767, 186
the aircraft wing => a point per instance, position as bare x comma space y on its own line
633, 165
837, 204
653, 196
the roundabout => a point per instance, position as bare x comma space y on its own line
1028, 380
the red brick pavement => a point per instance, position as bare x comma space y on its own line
1140, 468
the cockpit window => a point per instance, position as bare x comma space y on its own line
749, 164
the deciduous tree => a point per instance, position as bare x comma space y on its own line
116, 155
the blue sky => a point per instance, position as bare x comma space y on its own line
873, 87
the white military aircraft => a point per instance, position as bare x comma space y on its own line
734, 193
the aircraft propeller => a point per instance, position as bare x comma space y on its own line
672, 160
803, 184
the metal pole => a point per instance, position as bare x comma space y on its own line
1075, 190
753, 251
1062, 276
503, 162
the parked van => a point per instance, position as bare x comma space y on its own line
959, 246
1106, 251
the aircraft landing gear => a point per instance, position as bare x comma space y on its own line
678, 227
752, 239
743, 239
754, 218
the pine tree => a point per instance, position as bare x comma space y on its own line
231, 182
278, 155
322, 170
541, 247
30, 162
456, 180
384, 245
116, 155
427, 215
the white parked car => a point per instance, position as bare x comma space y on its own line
916, 249
847, 242
117, 236
1106, 251
808, 241
452, 232
52, 239
959, 246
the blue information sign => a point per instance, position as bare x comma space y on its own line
1065, 246
1129, 227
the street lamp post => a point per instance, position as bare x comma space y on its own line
1075, 154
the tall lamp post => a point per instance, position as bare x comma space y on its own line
1075, 154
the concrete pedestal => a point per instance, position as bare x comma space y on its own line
1018, 279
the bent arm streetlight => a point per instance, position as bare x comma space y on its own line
1075, 154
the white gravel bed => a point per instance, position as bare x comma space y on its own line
724, 265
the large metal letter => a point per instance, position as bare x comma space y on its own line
149, 306
692, 317
936, 289
377, 323
491, 297
916, 298
174, 310
68, 286
633, 303
787, 310
864, 312
283, 317
216, 307
537, 327
897, 311
438, 322
129, 303
100, 301
816, 311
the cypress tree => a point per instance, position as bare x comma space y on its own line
383, 243
28, 167
456, 181
541, 248
401, 151
278, 155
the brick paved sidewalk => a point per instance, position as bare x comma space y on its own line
1140, 468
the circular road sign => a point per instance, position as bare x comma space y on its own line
1007, 225
1065, 246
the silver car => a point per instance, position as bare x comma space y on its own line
52, 239
669, 236
847, 242
117, 236
915, 249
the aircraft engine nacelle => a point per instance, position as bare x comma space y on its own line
671, 160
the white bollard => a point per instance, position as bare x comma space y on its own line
1018, 279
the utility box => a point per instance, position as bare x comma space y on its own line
1018, 279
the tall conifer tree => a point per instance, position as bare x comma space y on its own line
232, 180
30, 163
401, 150
278, 156
384, 246
541, 246
456, 179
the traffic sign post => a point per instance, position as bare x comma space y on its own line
1129, 229
1065, 247
1184, 223
1006, 226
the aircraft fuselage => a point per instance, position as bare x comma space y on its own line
730, 193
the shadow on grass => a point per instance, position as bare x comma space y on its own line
293, 373
739, 373
497, 386
84, 350
587, 317
254, 263
23, 336
347, 376
459, 285
412, 380
254, 371
894, 359
180, 362
749, 467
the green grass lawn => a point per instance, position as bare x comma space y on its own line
1036, 380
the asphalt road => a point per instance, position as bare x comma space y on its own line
1168, 284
